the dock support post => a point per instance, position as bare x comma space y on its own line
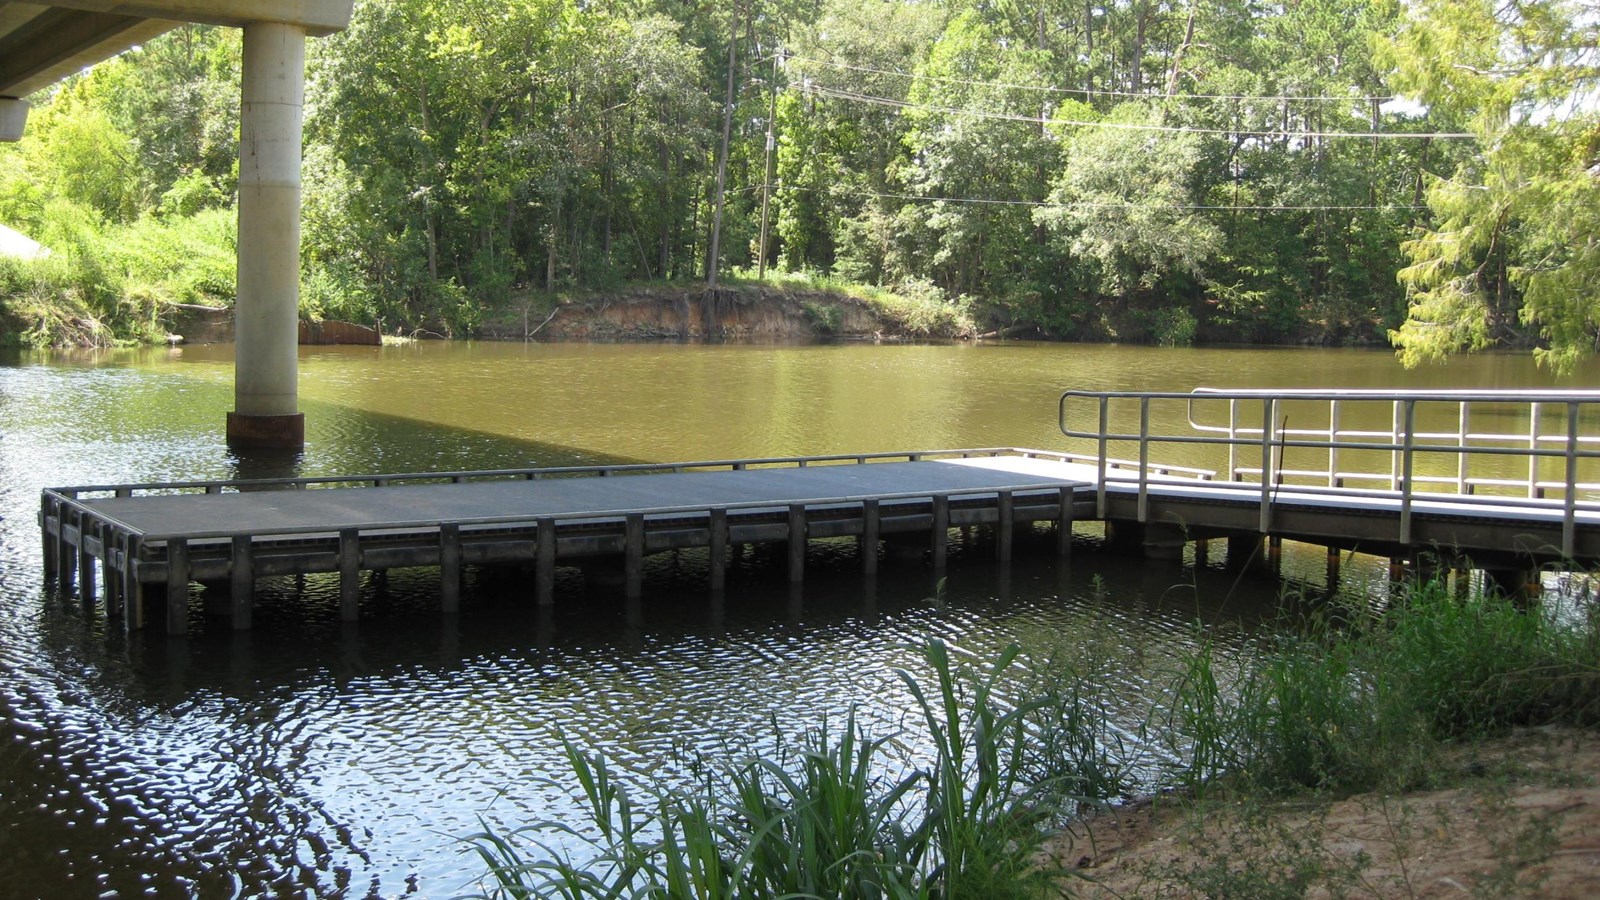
940, 537
545, 574
66, 559
1064, 523
178, 586
718, 548
132, 589
242, 583
450, 568
797, 543
48, 510
1334, 562
85, 569
1005, 525
871, 529
1275, 553
633, 556
349, 575
111, 579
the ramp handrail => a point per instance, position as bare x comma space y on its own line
1253, 424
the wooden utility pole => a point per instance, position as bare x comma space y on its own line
766, 181
722, 158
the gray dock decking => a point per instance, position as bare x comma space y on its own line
233, 533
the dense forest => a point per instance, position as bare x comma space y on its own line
1136, 170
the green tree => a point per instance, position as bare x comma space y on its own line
1513, 240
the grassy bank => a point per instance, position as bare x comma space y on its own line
105, 285
1382, 701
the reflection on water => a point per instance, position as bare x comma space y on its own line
313, 757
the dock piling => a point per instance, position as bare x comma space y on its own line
178, 586
717, 547
450, 567
633, 555
545, 564
1064, 522
940, 537
1005, 525
797, 543
871, 530
349, 574
241, 582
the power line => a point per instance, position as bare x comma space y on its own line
1126, 204
856, 97
1091, 92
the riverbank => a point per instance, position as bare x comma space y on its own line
1520, 817
773, 310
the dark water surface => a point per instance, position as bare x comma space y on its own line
313, 758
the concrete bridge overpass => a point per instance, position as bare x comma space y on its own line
43, 42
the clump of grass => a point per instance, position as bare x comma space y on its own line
827, 824
1369, 708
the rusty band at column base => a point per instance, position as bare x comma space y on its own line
246, 432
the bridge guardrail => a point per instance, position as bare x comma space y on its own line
1369, 438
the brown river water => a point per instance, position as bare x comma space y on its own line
313, 758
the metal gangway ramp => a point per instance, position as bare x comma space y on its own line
1496, 477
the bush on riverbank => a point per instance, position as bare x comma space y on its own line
1372, 705
105, 285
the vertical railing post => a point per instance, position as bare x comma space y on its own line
1269, 409
1408, 468
1464, 415
1395, 462
1569, 513
1533, 457
1334, 423
1100, 489
1144, 459
1233, 434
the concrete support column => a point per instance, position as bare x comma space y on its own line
267, 316
13, 117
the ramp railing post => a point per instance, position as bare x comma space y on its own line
1100, 492
1569, 513
1408, 467
1144, 459
1268, 415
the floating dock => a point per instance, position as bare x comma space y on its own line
164, 536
